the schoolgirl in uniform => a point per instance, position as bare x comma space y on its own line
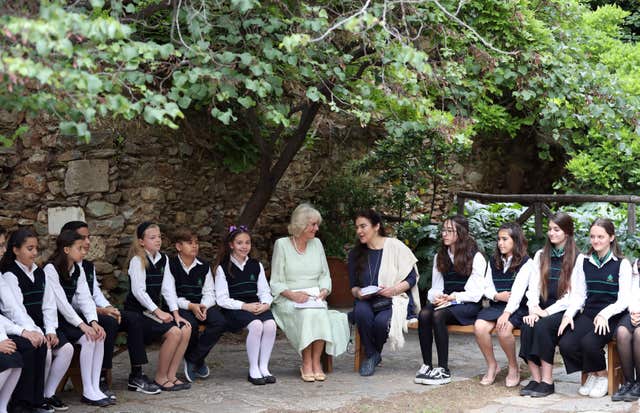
601, 285
27, 300
187, 288
506, 281
10, 363
69, 284
458, 281
547, 298
146, 321
628, 344
108, 316
243, 292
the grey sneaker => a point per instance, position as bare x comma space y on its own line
422, 375
142, 384
368, 367
438, 375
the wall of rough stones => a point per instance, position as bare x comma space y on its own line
132, 173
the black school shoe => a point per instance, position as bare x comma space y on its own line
98, 403
543, 390
258, 382
622, 392
269, 379
56, 403
526, 390
633, 394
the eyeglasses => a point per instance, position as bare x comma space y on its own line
447, 231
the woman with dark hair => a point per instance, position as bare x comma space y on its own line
389, 266
547, 298
506, 281
457, 285
601, 287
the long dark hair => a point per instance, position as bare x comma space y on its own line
519, 246
59, 257
224, 257
608, 226
565, 222
465, 248
16, 240
360, 250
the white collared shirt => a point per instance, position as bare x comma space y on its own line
169, 288
519, 287
81, 299
578, 294
473, 288
138, 277
98, 297
222, 287
15, 318
21, 316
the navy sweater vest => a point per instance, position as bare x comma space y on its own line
453, 281
89, 270
503, 281
189, 285
602, 285
153, 285
32, 292
243, 284
552, 282
71, 285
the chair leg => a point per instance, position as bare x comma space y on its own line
359, 352
614, 371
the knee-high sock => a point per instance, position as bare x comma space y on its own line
266, 345
253, 347
96, 368
9, 378
57, 368
87, 348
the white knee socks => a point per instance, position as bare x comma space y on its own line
56, 368
253, 347
266, 345
8, 380
91, 354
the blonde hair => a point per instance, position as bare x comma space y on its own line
300, 218
136, 250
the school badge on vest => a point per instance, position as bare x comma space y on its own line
252, 277
610, 278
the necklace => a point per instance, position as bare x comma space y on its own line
295, 246
376, 267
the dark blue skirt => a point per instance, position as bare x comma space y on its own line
239, 319
495, 310
465, 313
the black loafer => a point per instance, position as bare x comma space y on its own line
543, 390
526, 390
269, 379
258, 382
98, 403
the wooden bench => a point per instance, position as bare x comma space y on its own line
614, 369
73, 372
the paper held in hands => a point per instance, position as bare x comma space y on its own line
369, 289
313, 301
447, 304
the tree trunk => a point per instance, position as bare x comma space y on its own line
270, 175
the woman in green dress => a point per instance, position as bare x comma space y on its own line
299, 271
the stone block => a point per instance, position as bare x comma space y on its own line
103, 267
149, 193
98, 248
55, 187
108, 226
87, 176
57, 217
99, 209
35, 182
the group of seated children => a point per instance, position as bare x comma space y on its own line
560, 298
44, 312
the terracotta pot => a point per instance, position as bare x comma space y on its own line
340, 292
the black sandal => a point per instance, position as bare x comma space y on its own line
163, 388
180, 386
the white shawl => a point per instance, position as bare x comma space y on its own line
396, 263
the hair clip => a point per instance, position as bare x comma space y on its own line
233, 228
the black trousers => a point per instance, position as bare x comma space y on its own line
538, 343
30, 387
111, 327
372, 326
201, 344
582, 349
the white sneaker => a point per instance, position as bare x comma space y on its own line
422, 375
585, 389
600, 388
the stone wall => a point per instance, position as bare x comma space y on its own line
131, 173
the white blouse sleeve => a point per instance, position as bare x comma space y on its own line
474, 287
264, 292
169, 289
533, 292
64, 306
624, 290
578, 294
519, 287
138, 276
83, 299
437, 281
208, 291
